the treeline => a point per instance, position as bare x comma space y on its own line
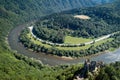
72, 53
17, 67
103, 20
55, 36
109, 72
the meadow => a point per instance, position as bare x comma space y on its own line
71, 40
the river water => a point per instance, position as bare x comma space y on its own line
14, 43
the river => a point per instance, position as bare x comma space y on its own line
53, 60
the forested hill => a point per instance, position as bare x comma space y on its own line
102, 1
13, 66
37, 8
103, 20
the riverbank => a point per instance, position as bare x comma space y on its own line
89, 56
49, 59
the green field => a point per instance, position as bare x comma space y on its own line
85, 47
70, 48
37, 42
76, 40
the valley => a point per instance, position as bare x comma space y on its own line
18, 62
106, 57
94, 35
68, 40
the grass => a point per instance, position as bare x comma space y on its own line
71, 48
76, 40
85, 47
103, 41
112, 49
37, 41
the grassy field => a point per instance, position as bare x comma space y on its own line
70, 48
37, 41
85, 47
76, 40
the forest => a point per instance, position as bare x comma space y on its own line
102, 22
55, 27
14, 66
115, 43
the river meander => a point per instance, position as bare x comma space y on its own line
14, 43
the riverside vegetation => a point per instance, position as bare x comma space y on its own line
18, 67
55, 28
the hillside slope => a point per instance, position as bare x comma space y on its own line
17, 67
36, 8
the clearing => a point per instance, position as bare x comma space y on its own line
82, 16
76, 40
67, 48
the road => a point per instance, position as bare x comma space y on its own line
57, 44
50, 59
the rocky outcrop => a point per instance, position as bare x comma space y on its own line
91, 67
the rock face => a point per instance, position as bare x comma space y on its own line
89, 67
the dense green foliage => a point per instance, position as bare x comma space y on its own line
17, 67
103, 20
32, 9
110, 72
48, 34
56, 26
106, 72
12, 65
115, 43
